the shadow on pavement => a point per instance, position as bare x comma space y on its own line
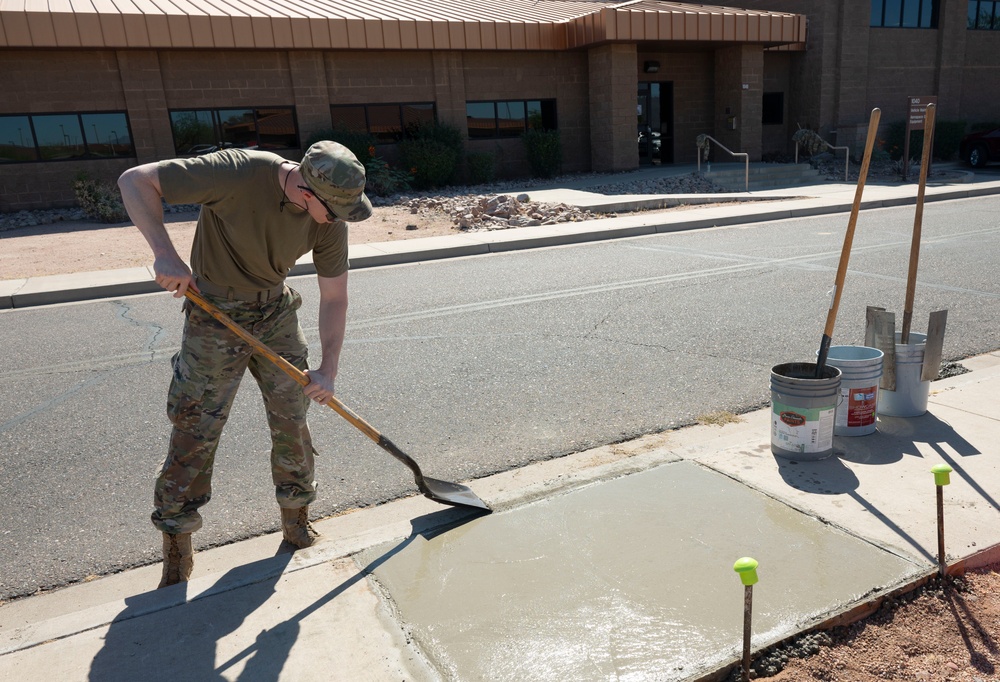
180, 642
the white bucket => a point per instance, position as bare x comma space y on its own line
803, 409
861, 368
911, 394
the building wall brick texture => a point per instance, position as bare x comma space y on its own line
848, 68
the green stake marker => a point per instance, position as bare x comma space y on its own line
942, 477
747, 568
941, 474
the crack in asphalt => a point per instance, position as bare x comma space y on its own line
124, 312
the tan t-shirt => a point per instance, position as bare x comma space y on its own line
242, 239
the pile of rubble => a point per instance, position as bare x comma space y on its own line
499, 212
488, 211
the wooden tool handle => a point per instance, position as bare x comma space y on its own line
283, 364
845, 253
918, 217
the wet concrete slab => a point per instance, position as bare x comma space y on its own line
630, 578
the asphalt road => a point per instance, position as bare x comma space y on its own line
471, 365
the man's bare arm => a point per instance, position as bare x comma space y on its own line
332, 326
141, 194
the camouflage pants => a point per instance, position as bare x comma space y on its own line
207, 371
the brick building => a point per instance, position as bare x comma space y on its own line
102, 87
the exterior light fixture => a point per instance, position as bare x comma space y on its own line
651, 67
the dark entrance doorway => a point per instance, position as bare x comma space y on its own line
656, 123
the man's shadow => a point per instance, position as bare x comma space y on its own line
148, 642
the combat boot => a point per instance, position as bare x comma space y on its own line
178, 559
296, 529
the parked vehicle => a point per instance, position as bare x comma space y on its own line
979, 148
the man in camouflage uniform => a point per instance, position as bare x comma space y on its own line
259, 214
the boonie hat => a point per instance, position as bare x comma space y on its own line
335, 175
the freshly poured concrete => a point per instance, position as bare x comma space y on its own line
628, 579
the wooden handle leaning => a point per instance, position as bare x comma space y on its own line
283, 364
845, 253
911, 275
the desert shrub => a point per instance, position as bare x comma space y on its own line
480, 167
383, 180
432, 152
544, 148
947, 135
809, 141
99, 199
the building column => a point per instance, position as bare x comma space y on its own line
739, 91
146, 102
952, 32
449, 88
310, 91
613, 73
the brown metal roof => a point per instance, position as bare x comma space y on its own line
382, 24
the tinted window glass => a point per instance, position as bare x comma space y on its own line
59, 136
16, 141
384, 122
417, 114
239, 128
510, 117
481, 119
276, 129
107, 135
774, 108
350, 118
194, 131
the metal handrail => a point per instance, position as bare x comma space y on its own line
746, 160
847, 154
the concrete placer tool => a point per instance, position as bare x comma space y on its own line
440, 491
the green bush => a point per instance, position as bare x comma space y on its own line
361, 144
383, 180
947, 135
432, 152
544, 150
99, 199
480, 168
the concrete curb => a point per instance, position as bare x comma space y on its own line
38, 291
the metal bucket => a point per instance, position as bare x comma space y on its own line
861, 369
911, 394
803, 410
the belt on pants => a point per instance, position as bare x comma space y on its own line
231, 294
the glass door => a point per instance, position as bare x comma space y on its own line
655, 119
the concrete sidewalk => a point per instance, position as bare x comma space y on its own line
795, 202
615, 563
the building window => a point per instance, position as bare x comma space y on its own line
905, 13
508, 118
984, 15
197, 131
774, 108
387, 123
64, 137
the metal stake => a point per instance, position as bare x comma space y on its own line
941, 479
747, 569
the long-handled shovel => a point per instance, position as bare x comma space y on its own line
440, 491
911, 277
845, 254
934, 341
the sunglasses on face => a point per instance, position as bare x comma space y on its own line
330, 215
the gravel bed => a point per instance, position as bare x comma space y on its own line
465, 203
